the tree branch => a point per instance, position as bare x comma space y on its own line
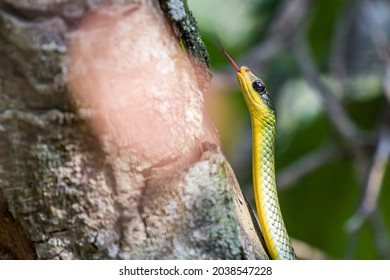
337, 115
374, 180
303, 166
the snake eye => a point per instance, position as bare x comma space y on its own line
258, 86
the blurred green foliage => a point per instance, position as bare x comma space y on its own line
318, 206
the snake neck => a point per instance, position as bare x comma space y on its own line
264, 183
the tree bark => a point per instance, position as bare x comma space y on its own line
106, 150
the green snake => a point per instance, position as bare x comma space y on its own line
263, 119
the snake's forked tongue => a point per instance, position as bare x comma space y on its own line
230, 60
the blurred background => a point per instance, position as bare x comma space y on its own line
326, 65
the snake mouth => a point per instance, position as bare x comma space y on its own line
244, 86
245, 82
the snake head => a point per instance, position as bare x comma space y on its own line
254, 91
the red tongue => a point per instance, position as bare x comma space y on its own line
230, 60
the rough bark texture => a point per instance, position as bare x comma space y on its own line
76, 179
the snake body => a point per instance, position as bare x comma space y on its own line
263, 119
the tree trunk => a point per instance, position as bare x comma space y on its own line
106, 150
